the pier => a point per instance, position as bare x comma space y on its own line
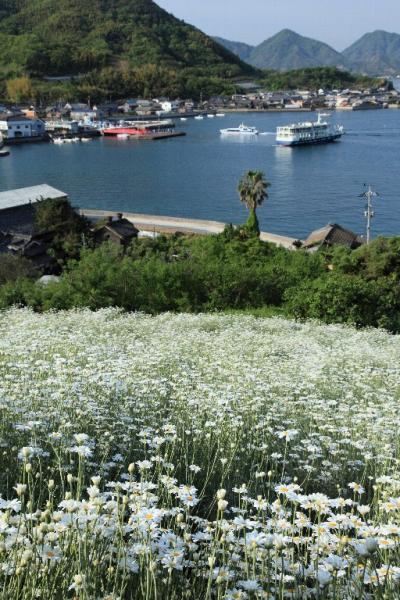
161, 224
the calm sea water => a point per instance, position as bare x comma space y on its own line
196, 176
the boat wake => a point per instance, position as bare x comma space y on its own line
267, 133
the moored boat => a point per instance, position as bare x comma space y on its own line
301, 134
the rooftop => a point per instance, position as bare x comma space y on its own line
28, 195
333, 234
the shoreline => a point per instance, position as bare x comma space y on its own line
165, 224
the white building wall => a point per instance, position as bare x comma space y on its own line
22, 128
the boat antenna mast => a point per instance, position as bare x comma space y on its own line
369, 212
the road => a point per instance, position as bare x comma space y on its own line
177, 224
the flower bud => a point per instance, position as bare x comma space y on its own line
222, 504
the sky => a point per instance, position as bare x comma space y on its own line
336, 22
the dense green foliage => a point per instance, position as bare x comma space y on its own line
69, 228
14, 267
108, 46
313, 79
229, 271
58, 37
375, 53
288, 50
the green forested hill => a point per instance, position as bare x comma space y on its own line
58, 37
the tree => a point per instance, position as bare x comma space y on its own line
19, 89
69, 227
253, 190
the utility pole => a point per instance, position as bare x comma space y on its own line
369, 210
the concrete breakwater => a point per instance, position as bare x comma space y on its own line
161, 224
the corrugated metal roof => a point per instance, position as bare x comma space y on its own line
28, 195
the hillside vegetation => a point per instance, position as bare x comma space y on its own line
319, 77
115, 48
225, 272
60, 37
197, 457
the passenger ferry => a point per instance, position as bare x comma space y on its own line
241, 130
300, 134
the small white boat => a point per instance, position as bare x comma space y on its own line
241, 130
75, 139
199, 117
58, 141
86, 139
210, 116
183, 119
220, 115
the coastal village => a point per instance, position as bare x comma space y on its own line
26, 123
149, 119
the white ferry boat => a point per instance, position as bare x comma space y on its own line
317, 132
241, 130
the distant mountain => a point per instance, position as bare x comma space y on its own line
57, 37
239, 48
288, 50
376, 53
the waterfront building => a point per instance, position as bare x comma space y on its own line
117, 230
18, 235
332, 235
169, 106
17, 126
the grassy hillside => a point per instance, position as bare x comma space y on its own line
288, 50
375, 53
59, 37
197, 457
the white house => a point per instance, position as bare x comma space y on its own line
169, 106
20, 126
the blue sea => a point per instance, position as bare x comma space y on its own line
197, 175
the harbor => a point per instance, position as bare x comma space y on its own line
195, 176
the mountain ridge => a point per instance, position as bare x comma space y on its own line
375, 53
241, 49
289, 50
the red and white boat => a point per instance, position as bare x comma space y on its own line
139, 129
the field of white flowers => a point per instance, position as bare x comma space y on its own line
197, 457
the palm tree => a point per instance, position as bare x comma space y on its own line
253, 190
